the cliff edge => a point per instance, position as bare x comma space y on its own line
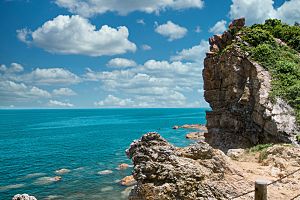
251, 99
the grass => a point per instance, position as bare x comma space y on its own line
259, 148
282, 61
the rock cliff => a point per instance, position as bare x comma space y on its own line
237, 89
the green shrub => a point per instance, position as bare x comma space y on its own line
259, 147
283, 62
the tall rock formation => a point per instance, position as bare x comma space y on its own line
237, 89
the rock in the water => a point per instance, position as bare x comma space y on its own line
123, 166
128, 181
62, 171
176, 127
195, 136
23, 197
165, 172
105, 172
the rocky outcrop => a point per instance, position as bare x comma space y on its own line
237, 90
23, 197
165, 172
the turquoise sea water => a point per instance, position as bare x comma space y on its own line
35, 143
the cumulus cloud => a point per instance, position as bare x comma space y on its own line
140, 21
198, 29
112, 101
63, 92
48, 76
219, 27
196, 53
146, 47
257, 11
156, 83
55, 103
171, 31
11, 91
90, 8
121, 62
76, 35
13, 68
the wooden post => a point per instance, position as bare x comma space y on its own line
261, 189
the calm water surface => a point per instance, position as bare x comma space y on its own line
35, 143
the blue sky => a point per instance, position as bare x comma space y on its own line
115, 53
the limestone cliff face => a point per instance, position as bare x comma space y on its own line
237, 90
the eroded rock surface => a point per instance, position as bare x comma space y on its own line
237, 90
165, 172
23, 197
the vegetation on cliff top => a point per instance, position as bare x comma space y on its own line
283, 61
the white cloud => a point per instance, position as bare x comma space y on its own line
76, 35
55, 103
13, 68
63, 92
51, 76
171, 30
11, 91
140, 21
257, 11
198, 29
146, 47
196, 53
89, 8
112, 101
121, 62
219, 27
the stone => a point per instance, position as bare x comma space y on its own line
166, 172
237, 24
23, 197
175, 127
62, 171
123, 166
128, 181
235, 153
105, 172
195, 136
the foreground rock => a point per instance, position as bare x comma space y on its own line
23, 197
199, 172
237, 90
164, 172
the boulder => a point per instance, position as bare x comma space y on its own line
128, 181
123, 166
165, 172
195, 136
23, 197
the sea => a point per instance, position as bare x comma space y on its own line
89, 143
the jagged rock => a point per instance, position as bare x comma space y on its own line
23, 197
237, 90
165, 172
195, 136
237, 24
128, 181
123, 166
235, 153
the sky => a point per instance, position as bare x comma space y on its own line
115, 53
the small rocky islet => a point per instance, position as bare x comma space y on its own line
234, 148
